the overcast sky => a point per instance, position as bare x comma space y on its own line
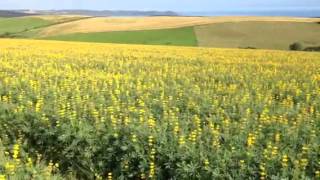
175, 5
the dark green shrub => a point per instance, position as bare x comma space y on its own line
249, 47
316, 48
296, 47
5, 35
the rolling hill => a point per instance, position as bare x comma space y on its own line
106, 24
28, 26
261, 35
8, 13
107, 13
16, 25
224, 32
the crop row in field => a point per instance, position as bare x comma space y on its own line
123, 111
177, 37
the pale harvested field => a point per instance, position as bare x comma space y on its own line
104, 24
60, 18
261, 35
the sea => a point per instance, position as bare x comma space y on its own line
285, 12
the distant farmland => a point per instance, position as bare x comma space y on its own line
224, 32
179, 36
30, 25
262, 35
14, 25
106, 24
6, 13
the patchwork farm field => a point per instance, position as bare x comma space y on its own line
15, 25
223, 32
258, 34
177, 36
106, 111
30, 26
107, 24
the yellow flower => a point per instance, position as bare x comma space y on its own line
277, 137
10, 168
303, 163
143, 176
16, 151
181, 140
284, 161
251, 140
134, 138
110, 176
2, 177
263, 172
152, 170
150, 140
206, 163
274, 151
29, 162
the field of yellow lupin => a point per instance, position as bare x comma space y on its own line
105, 111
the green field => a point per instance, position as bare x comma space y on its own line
277, 35
178, 36
16, 25
30, 26
262, 35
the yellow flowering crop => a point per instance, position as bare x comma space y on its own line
110, 111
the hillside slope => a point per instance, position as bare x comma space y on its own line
227, 32
16, 25
28, 26
262, 35
104, 24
